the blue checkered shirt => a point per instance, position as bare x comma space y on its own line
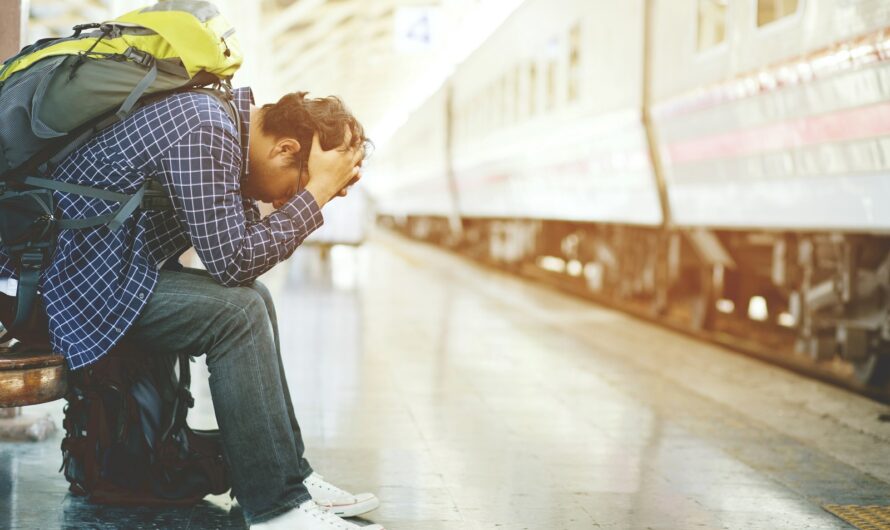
99, 281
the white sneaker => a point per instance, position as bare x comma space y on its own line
309, 516
339, 502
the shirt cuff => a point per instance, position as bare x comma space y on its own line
303, 209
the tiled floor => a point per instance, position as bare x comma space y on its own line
470, 400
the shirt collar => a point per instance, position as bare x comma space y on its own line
243, 99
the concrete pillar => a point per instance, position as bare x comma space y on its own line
12, 15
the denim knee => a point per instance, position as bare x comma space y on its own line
247, 315
261, 289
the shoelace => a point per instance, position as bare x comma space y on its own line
326, 517
319, 482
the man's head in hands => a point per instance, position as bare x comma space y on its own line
298, 141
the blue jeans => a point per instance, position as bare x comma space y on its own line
238, 330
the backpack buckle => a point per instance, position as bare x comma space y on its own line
139, 57
78, 29
32, 260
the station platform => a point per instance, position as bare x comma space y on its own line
468, 399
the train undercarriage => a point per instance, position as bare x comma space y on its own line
817, 302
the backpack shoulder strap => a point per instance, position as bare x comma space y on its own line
225, 98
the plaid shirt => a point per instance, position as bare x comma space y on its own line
99, 281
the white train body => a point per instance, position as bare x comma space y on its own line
782, 126
527, 144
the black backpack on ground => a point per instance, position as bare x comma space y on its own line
127, 441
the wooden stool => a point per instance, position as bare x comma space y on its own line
28, 378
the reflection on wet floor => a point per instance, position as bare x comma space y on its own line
471, 400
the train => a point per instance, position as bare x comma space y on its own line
722, 166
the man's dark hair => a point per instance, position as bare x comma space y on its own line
296, 116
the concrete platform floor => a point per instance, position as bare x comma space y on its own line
472, 400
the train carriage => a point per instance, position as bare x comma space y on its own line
721, 166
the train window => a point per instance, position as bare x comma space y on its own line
457, 126
498, 103
503, 118
488, 116
551, 84
517, 92
772, 10
507, 83
481, 110
506, 108
479, 115
489, 110
491, 100
574, 63
711, 23
467, 121
472, 116
553, 53
532, 89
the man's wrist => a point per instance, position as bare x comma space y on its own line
319, 193
303, 210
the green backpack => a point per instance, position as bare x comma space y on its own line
56, 94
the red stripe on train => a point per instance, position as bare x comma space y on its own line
847, 125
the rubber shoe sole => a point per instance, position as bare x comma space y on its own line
365, 503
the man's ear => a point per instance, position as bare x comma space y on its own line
288, 147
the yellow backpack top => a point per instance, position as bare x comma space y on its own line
56, 86
190, 31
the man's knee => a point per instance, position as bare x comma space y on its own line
246, 316
247, 300
261, 289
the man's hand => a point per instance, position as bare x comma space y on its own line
330, 172
345, 190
